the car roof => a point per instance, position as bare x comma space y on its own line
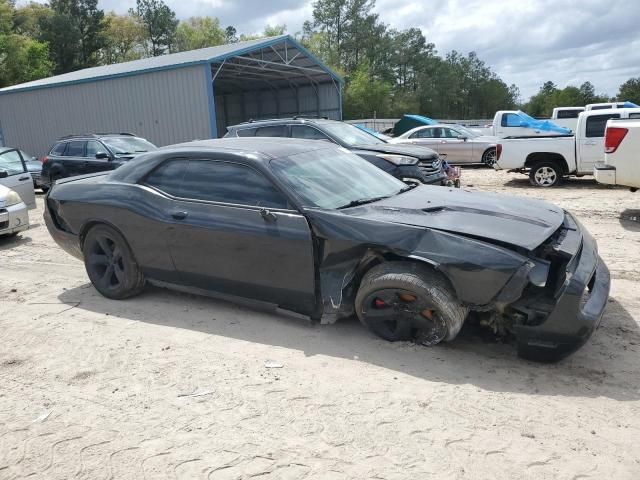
89, 136
269, 121
267, 147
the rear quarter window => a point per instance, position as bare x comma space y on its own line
246, 132
596, 124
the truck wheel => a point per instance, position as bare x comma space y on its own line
489, 157
545, 174
405, 301
110, 264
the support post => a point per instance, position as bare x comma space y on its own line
213, 123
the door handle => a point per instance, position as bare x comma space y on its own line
267, 215
443, 141
22, 179
590, 143
179, 215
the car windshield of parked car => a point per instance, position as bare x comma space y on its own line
333, 178
466, 132
124, 145
349, 135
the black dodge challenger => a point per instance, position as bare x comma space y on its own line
311, 228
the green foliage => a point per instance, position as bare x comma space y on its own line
230, 34
630, 91
75, 33
365, 95
125, 36
29, 60
160, 23
22, 58
550, 96
199, 32
349, 37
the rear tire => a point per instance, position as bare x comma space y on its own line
489, 157
545, 174
110, 264
406, 301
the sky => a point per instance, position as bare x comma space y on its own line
525, 42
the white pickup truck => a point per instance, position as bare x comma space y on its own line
548, 159
509, 123
621, 155
566, 117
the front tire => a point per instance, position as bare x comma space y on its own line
405, 301
110, 264
545, 174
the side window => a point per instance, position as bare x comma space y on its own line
510, 120
448, 133
75, 149
11, 163
596, 124
270, 131
568, 113
424, 133
601, 107
230, 183
94, 147
246, 132
309, 133
168, 176
58, 149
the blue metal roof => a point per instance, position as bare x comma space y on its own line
166, 62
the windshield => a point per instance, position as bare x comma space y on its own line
123, 145
332, 178
465, 131
351, 135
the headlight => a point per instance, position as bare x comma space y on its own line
399, 159
12, 198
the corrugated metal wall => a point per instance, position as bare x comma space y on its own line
233, 108
165, 107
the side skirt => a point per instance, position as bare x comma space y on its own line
246, 302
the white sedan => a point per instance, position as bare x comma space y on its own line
14, 217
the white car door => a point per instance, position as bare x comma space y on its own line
591, 142
14, 175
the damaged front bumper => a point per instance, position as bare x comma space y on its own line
579, 302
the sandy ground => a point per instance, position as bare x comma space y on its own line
92, 388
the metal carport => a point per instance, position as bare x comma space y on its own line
173, 98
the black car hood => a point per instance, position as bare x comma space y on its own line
422, 153
521, 222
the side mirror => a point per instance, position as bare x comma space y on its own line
102, 155
461, 137
4, 174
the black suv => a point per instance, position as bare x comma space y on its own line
81, 154
409, 163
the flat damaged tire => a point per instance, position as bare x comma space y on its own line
407, 301
110, 264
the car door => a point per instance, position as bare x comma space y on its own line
14, 175
427, 137
73, 158
97, 157
456, 149
591, 141
236, 233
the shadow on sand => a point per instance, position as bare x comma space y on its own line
606, 366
